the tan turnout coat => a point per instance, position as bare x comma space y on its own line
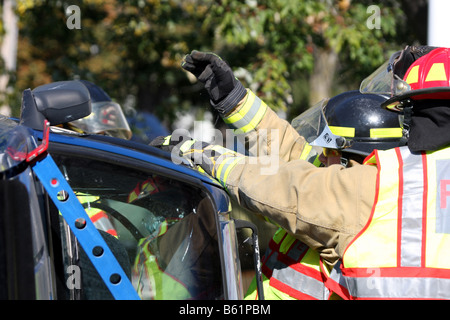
323, 207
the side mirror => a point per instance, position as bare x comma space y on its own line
58, 102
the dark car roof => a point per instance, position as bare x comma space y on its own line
127, 148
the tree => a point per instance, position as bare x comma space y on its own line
295, 42
134, 48
130, 48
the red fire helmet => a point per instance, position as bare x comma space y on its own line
428, 78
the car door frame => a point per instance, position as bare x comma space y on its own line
228, 248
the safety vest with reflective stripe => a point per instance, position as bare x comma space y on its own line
285, 270
150, 281
98, 217
402, 252
335, 281
291, 270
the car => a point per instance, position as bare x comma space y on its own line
97, 217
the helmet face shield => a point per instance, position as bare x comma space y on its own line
384, 81
351, 122
106, 118
313, 126
428, 77
415, 73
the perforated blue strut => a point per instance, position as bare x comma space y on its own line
88, 236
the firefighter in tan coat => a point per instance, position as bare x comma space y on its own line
279, 195
379, 219
290, 269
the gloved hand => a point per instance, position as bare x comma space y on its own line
225, 91
210, 158
213, 159
171, 143
184, 146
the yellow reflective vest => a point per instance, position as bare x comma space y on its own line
292, 270
150, 280
402, 252
98, 216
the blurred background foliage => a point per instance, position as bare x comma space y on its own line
292, 53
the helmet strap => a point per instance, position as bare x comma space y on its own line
344, 162
407, 116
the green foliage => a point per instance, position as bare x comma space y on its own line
135, 47
360, 48
276, 40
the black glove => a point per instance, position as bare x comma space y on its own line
198, 153
225, 91
171, 142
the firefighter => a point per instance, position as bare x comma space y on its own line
170, 263
291, 270
385, 220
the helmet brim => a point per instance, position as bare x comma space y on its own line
365, 148
436, 93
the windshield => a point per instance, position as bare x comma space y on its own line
163, 231
15, 142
